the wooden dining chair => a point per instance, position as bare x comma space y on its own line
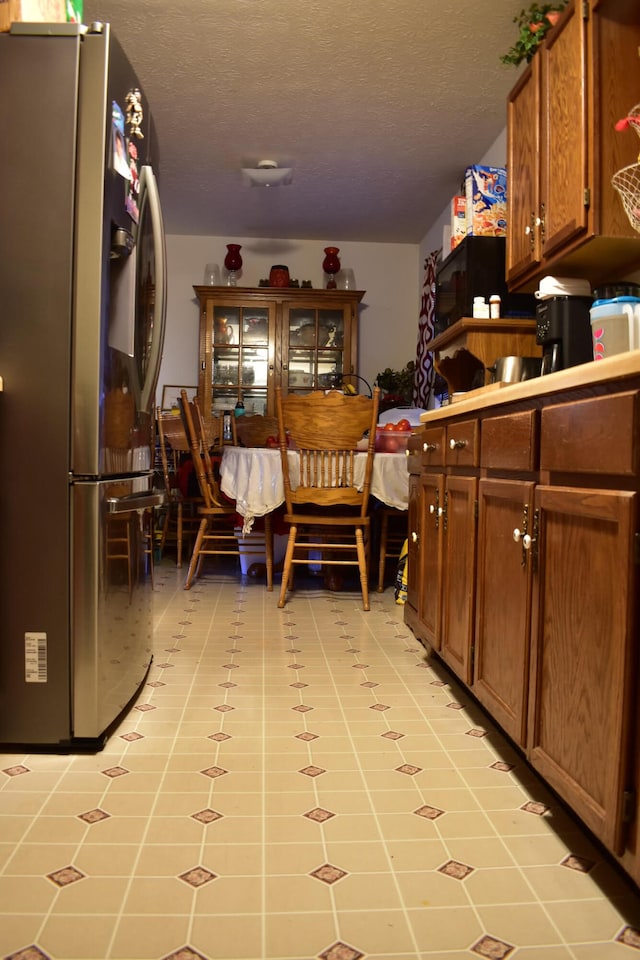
180, 519
392, 531
216, 534
325, 510
252, 430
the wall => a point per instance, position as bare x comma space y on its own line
389, 273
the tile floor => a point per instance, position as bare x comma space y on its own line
297, 784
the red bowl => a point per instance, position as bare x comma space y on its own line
392, 441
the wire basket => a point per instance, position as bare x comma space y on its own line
627, 183
627, 180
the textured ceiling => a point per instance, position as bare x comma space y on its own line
378, 106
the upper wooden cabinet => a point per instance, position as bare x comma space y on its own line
564, 215
253, 339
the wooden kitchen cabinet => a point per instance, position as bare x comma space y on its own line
509, 448
424, 561
448, 497
442, 532
583, 644
583, 649
254, 339
549, 584
414, 554
458, 569
503, 602
564, 216
432, 521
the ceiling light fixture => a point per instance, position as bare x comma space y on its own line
267, 174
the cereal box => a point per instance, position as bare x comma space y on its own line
458, 221
486, 201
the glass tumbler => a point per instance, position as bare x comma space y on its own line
212, 275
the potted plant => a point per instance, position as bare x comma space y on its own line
396, 386
533, 23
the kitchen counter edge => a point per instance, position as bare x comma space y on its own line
617, 367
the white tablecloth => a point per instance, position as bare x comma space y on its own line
253, 477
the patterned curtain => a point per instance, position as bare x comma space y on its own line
425, 371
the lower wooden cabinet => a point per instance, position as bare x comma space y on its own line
583, 672
458, 567
432, 521
414, 556
503, 602
527, 574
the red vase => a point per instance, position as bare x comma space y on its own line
233, 263
331, 265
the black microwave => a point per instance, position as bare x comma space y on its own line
476, 268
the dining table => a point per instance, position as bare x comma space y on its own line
252, 476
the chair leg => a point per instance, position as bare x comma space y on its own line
384, 531
362, 566
288, 565
165, 529
268, 549
179, 536
147, 527
195, 556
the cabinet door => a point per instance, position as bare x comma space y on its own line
503, 602
564, 134
237, 348
414, 539
523, 151
316, 346
582, 650
432, 527
458, 572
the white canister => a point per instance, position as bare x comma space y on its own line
615, 326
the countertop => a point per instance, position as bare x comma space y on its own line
585, 374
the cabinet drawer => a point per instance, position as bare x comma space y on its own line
597, 435
432, 446
462, 444
510, 442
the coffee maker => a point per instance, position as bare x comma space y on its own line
563, 328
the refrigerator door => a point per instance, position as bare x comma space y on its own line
120, 268
112, 620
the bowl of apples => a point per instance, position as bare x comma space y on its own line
393, 437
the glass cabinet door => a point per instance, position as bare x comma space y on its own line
241, 347
314, 354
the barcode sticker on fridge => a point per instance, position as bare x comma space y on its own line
35, 657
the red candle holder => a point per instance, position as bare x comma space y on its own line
233, 263
331, 266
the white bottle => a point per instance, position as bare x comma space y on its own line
480, 308
494, 306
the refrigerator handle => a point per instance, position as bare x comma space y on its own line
149, 183
134, 501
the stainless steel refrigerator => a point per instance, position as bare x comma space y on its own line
82, 305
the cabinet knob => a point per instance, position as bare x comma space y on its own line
528, 541
457, 444
517, 535
414, 536
429, 447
